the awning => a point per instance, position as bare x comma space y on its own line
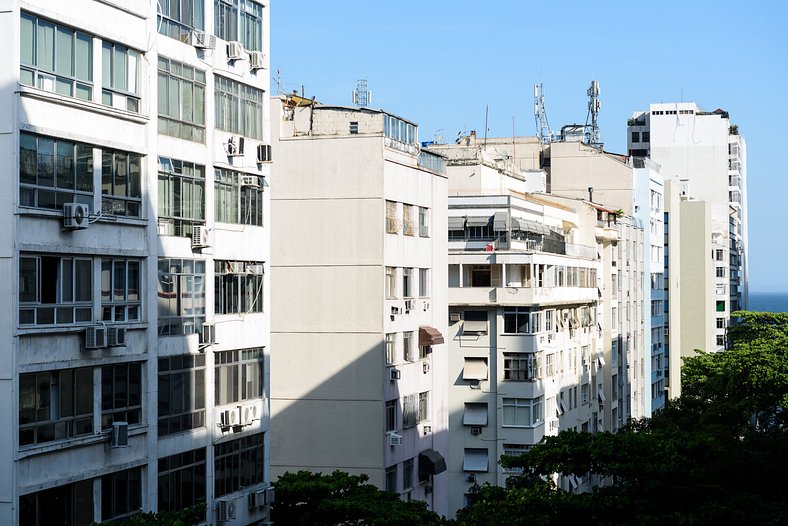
430, 463
601, 395
526, 225
474, 326
475, 460
474, 369
430, 336
457, 223
600, 360
478, 221
499, 221
475, 414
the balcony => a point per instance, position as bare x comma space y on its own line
432, 162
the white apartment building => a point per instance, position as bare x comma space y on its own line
134, 144
359, 319
705, 152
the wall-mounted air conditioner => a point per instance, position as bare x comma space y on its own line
208, 334
409, 305
264, 154
225, 511
454, 317
234, 267
426, 367
203, 40
235, 146
120, 434
250, 180
395, 439
476, 430
255, 268
427, 430
471, 477
270, 495
116, 336
394, 374
200, 236
229, 418
235, 51
248, 414
75, 216
256, 60
95, 337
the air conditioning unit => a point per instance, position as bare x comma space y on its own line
396, 310
454, 317
270, 495
235, 51
395, 439
203, 40
476, 430
256, 269
394, 374
255, 499
95, 337
75, 216
225, 511
256, 60
199, 236
235, 146
229, 418
427, 430
120, 434
250, 180
264, 154
471, 477
116, 336
234, 267
208, 334
248, 414
426, 367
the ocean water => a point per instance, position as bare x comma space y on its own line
769, 301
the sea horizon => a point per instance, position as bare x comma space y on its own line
768, 301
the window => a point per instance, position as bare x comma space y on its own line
120, 71
424, 351
409, 411
121, 394
55, 405
250, 22
181, 197
181, 480
120, 290
720, 323
548, 319
520, 320
238, 375
719, 254
55, 290
181, 292
181, 100
178, 18
121, 493
391, 479
55, 58
391, 415
424, 222
236, 289
514, 450
390, 357
408, 226
353, 128
237, 202
407, 474
645, 136
239, 108
391, 283
407, 282
238, 463
584, 393
522, 412
520, 367
720, 339
424, 283
392, 226
399, 130
424, 406
475, 459
226, 23
121, 185
69, 505
720, 272
635, 136
720, 306
53, 172
408, 341
181, 393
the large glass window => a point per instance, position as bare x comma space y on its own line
53, 172
520, 367
55, 58
238, 197
238, 375
120, 290
181, 100
522, 412
238, 287
248, 28
181, 480
67, 505
121, 394
239, 108
121, 493
121, 185
55, 405
55, 290
238, 464
177, 18
410, 411
181, 293
520, 320
181, 393
120, 73
181, 197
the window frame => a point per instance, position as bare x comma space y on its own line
240, 461
125, 308
113, 200
131, 77
233, 372
534, 406
238, 203
73, 296
119, 402
174, 176
237, 293
181, 375
183, 281
181, 122
238, 108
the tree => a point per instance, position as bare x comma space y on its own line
185, 517
343, 499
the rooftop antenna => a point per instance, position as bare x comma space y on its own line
362, 97
591, 131
542, 126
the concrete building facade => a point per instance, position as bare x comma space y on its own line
133, 147
359, 273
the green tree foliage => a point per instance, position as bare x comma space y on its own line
717, 455
341, 499
185, 517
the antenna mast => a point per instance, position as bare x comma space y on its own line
362, 97
542, 126
591, 131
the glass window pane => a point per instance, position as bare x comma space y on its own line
45, 45
162, 93
133, 71
199, 104
119, 281
65, 51
27, 41
84, 168
65, 165
187, 112
134, 184
27, 158
133, 290
106, 279
83, 63
119, 71
46, 162
173, 97
106, 65
83, 280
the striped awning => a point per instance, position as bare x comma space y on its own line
526, 225
499, 221
478, 220
457, 223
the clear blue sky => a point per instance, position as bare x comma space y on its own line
440, 63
